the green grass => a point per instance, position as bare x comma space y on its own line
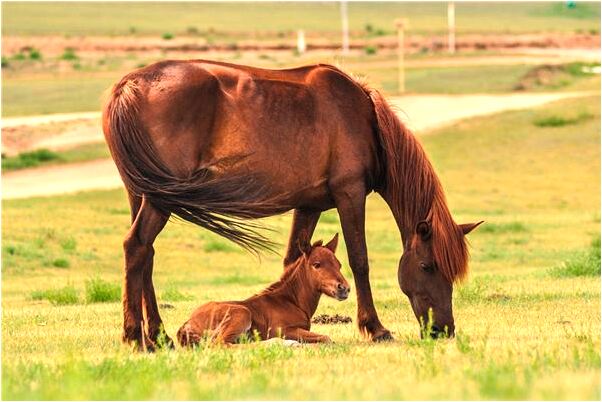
559, 121
29, 159
58, 297
586, 263
211, 19
45, 157
101, 291
522, 332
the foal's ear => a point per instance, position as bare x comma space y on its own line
303, 242
332, 245
469, 227
423, 229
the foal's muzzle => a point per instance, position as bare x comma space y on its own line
342, 291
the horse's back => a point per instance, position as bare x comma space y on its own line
288, 126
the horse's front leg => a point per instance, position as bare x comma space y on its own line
303, 219
139, 251
351, 205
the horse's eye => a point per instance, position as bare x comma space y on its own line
430, 268
316, 264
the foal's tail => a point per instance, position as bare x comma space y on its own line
218, 204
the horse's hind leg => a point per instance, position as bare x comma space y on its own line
138, 247
303, 219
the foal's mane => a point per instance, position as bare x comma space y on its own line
289, 272
415, 190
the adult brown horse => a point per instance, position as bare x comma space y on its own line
218, 144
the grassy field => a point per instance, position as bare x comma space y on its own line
528, 318
28, 89
31, 18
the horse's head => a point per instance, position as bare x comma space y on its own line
323, 267
427, 284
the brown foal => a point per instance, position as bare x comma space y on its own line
284, 309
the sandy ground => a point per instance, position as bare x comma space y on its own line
88, 45
420, 112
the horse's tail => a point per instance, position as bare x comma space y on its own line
220, 205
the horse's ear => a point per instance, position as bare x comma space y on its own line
332, 245
469, 227
423, 229
303, 242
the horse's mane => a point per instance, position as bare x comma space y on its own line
415, 190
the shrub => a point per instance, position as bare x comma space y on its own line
100, 291
69, 244
69, 54
5, 63
35, 54
583, 264
61, 263
19, 56
62, 296
29, 159
192, 30
167, 36
370, 49
559, 121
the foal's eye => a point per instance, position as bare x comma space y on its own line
316, 264
430, 268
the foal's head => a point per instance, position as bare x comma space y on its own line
323, 267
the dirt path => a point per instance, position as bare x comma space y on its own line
420, 112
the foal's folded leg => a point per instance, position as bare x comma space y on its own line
223, 322
303, 335
235, 322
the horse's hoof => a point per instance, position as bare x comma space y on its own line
382, 335
145, 345
160, 338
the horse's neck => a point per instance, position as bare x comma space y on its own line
298, 290
405, 228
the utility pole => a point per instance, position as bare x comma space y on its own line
345, 26
451, 27
401, 24
301, 46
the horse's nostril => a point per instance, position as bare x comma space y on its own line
340, 286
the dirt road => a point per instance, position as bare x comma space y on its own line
420, 112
